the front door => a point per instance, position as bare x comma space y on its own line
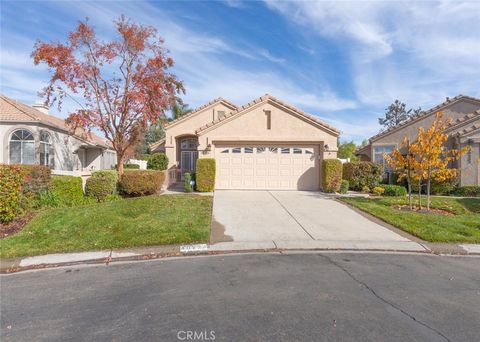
188, 162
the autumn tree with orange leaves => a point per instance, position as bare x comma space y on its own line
427, 157
125, 83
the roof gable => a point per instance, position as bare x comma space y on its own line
261, 100
442, 106
201, 109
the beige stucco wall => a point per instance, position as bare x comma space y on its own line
64, 146
470, 162
188, 126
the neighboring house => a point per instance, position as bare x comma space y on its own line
265, 144
30, 135
463, 131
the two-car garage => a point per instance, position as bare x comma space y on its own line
272, 166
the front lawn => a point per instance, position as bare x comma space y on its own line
463, 226
143, 221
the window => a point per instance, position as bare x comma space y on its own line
260, 149
236, 150
22, 147
273, 149
225, 151
46, 149
297, 150
308, 151
378, 152
189, 144
285, 150
248, 150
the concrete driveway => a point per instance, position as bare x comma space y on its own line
284, 217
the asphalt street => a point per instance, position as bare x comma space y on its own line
249, 297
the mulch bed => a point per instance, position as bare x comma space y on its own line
423, 210
15, 226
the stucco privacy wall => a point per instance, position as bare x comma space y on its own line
188, 125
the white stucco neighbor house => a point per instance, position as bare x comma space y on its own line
30, 135
265, 144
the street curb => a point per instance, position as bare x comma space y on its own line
15, 268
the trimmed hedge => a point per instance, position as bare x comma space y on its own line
36, 179
188, 178
99, 188
393, 190
344, 186
331, 175
141, 182
205, 174
10, 192
131, 166
111, 175
363, 174
157, 161
66, 191
467, 191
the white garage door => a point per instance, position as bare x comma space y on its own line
267, 167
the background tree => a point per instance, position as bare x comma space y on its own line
125, 82
179, 109
347, 150
397, 113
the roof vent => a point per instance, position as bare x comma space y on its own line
41, 106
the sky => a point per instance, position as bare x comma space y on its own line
343, 61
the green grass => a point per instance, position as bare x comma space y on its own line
143, 221
464, 226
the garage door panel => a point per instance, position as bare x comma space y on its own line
265, 167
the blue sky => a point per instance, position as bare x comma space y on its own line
343, 61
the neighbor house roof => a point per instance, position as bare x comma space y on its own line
156, 144
199, 109
431, 111
264, 98
14, 111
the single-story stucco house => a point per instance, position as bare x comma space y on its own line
265, 144
30, 135
463, 131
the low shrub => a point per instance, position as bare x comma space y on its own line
467, 191
110, 175
188, 185
362, 173
366, 189
378, 190
205, 174
66, 191
331, 175
141, 182
10, 192
99, 188
443, 188
394, 190
157, 161
344, 186
131, 166
36, 179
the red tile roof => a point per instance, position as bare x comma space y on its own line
14, 111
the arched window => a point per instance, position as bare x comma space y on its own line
189, 144
22, 147
46, 149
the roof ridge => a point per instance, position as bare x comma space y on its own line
424, 113
260, 99
15, 103
196, 110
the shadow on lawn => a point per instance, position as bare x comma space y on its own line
471, 204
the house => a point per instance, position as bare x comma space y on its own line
265, 144
30, 135
463, 131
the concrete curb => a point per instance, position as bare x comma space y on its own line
158, 252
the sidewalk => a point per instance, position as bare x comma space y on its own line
155, 252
